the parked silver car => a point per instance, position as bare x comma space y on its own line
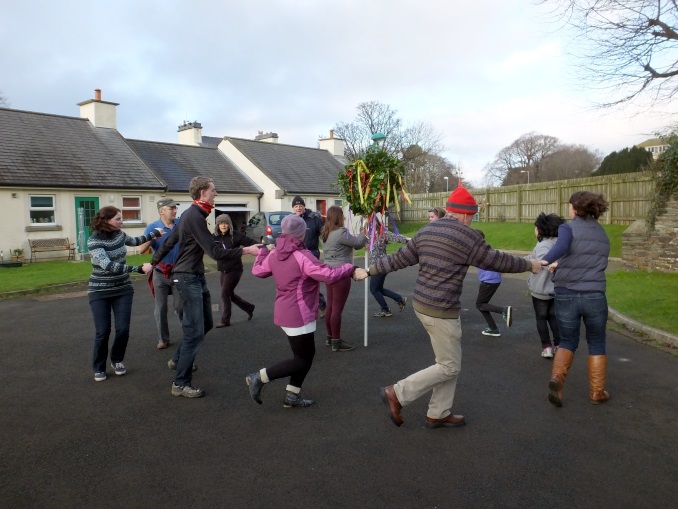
266, 226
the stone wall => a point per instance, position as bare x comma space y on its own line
653, 250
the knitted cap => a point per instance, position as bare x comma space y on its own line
294, 225
298, 200
461, 201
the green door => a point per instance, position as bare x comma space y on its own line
85, 210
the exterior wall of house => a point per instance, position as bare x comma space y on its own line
18, 227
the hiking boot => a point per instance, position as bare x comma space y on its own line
187, 391
173, 365
491, 332
119, 368
328, 341
253, 381
547, 353
507, 315
339, 345
295, 400
383, 313
99, 376
402, 304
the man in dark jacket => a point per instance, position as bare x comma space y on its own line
188, 275
314, 226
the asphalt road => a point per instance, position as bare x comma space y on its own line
67, 441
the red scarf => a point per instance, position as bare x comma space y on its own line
204, 205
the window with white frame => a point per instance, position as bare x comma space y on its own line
42, 210
131, 209
339, 203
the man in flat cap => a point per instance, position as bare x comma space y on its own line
161, 280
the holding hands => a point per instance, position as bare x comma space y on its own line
147, 267
359, 274
252, 250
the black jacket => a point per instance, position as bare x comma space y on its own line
194, 240
314, 225
228, 242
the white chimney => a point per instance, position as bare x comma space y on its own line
266, 137
190, 133
100, 113
334, 146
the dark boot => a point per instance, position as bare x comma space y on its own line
328, 341
597, 372
561, 365
255, 385
295, 400
339, 345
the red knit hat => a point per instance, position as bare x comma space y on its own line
461, 201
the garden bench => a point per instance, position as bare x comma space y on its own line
55, 244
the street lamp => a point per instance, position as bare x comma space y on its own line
378, 138
528, 175
447, 184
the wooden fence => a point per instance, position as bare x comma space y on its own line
629, 196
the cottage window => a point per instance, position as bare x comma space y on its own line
41, 210
131, 209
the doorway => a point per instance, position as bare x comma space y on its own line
85, 209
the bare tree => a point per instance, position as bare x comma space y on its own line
374, 117
527, 153
571, 161
3, 101
628, 47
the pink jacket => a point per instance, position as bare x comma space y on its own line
297, 274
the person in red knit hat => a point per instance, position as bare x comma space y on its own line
444, 250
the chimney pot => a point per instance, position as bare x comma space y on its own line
331, 133
97, 94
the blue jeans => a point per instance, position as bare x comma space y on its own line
121, 306
197, 322
379, 292
571, 309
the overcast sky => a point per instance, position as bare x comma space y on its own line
483, 73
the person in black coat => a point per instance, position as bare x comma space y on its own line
231, 269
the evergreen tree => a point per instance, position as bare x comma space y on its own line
626, 161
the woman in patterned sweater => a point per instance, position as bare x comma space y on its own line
110, 287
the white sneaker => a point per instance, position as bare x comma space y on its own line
547, 353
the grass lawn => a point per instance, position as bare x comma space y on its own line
649, 297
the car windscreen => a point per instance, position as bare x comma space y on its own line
276, 219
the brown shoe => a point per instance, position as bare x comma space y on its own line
450, 420
162, 344
223, 324
388, 396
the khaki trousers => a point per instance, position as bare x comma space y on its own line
445, 334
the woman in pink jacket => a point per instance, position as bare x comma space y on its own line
297, 274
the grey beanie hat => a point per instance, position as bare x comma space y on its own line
224, 218
294, 225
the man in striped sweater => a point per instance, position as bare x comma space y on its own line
444, 250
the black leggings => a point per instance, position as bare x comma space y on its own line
545, 313
485, 293
303, 348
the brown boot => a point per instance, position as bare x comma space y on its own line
561, 365
597, 372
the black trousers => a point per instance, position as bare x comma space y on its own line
545, 313
303, 349
485, 293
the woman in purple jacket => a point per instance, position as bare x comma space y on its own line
297, 274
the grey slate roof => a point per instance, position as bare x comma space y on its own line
295, 169
42, 150
211, 141
177, 164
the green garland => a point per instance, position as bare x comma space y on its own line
666, 179
373, 184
